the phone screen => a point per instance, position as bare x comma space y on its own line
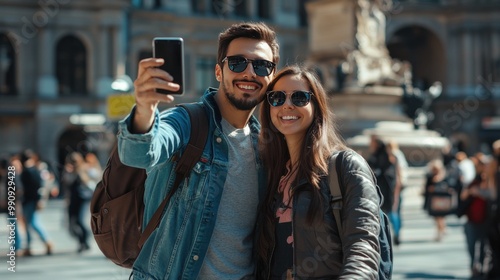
172, 51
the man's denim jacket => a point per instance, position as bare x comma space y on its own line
176, 249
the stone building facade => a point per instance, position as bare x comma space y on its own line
456, 43
59, 58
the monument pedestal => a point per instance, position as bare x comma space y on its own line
419, 145
361, 108
377, 111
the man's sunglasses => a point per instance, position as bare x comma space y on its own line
238, 64
300, 98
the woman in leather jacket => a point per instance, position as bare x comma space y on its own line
298, 236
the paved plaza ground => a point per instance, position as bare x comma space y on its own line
418, 257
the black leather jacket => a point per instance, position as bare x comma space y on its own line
318, 250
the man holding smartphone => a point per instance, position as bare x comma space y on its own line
207, 229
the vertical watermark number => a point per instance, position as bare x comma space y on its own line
11, 218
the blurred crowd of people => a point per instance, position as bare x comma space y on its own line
467, 186
455, 184
390, 167
35, 183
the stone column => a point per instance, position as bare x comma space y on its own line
252, 8
495, 43
495, 47
322, 15
104, 53
478, 48
179, 6
453, 63
467, 64
119, 51
46, 80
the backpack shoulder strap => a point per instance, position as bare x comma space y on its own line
334, 183
192, 153
197, 139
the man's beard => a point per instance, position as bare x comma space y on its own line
243, 104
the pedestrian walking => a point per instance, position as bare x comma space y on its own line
79, 189
15, 162
466, 168
494, 231
386, 171
50, 186
94, 168
440, 196
32, 183
401, 181
475, 205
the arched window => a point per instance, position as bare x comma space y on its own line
7, 67
71, 66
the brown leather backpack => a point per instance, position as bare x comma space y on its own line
117, 205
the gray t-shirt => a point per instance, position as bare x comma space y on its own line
229, 254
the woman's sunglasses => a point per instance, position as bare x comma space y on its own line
238, 64
300, 98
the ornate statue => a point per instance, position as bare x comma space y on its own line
371, 29
355, 57
370, 63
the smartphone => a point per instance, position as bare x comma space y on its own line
171, 49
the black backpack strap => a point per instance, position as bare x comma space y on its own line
192, 153
334, 183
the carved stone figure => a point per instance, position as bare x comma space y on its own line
356, 53
370, 61
370, 33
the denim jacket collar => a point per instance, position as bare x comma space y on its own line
208, 99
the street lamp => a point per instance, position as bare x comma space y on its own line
424, 115
436, 89
122, 84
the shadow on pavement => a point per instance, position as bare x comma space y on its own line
423, 275
414, 241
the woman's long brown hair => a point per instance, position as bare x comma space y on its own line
320, 142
